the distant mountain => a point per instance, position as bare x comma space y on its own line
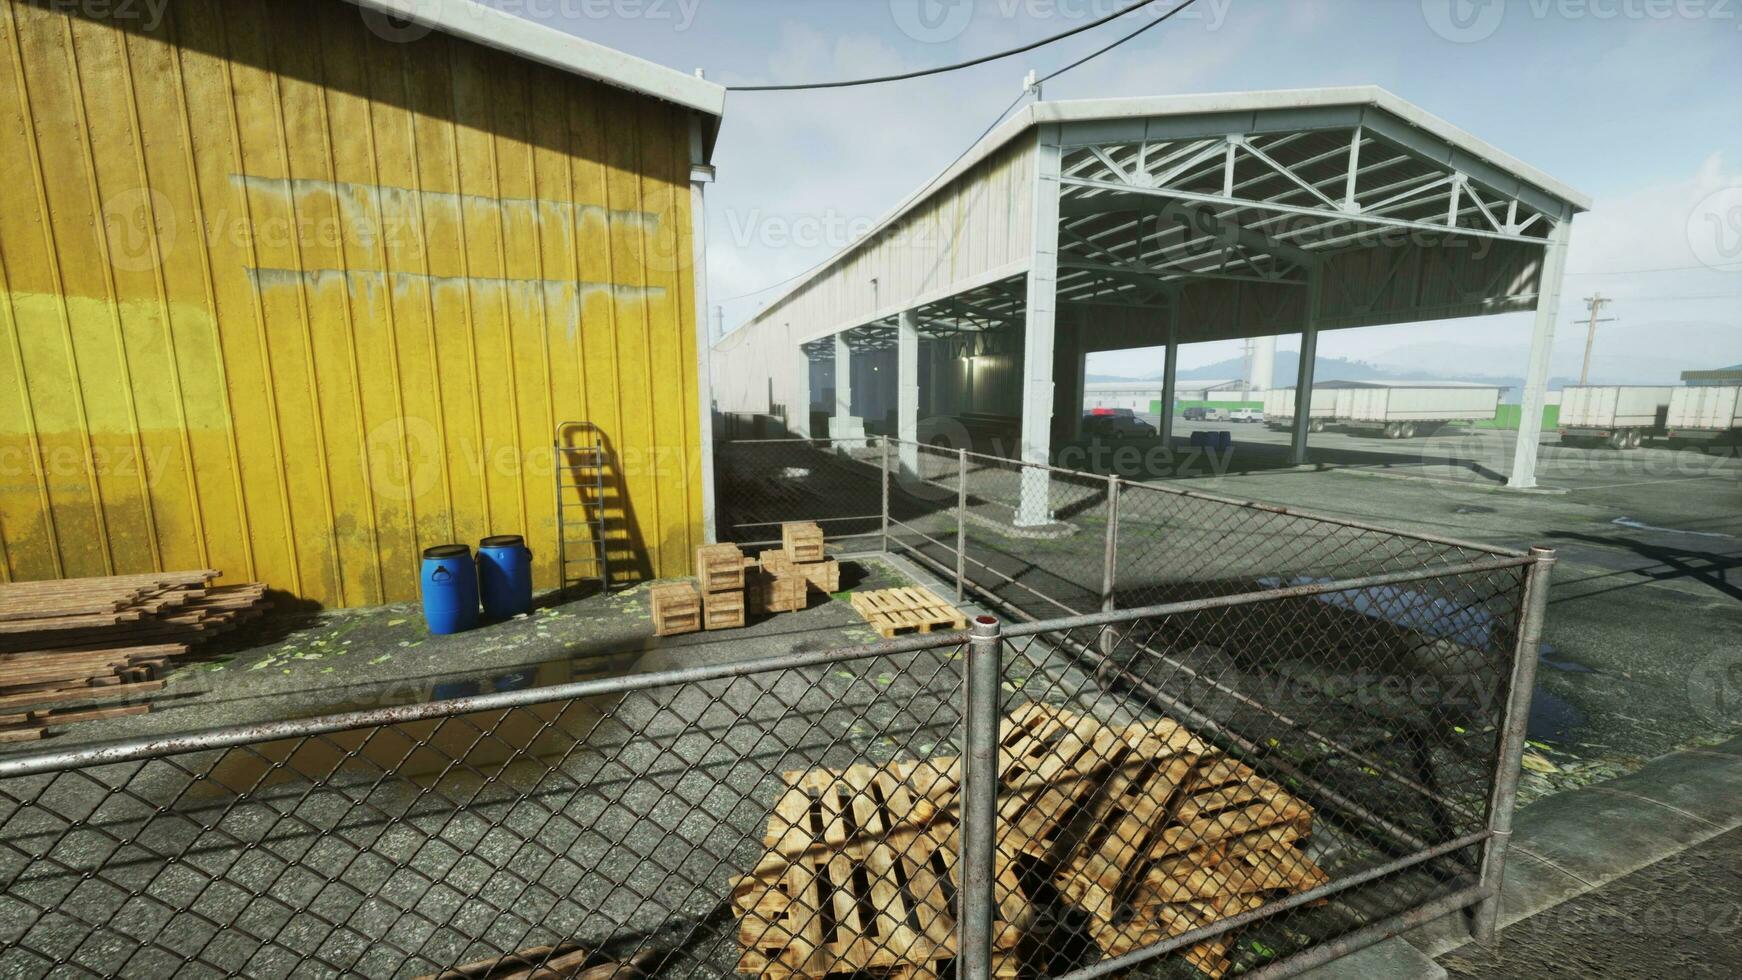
1341, 369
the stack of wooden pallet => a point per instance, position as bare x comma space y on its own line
1145, 831
99, 639
860, 879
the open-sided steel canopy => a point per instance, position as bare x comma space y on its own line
1118, 223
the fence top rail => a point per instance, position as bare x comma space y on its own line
1234, 502
1064, 623
231, 736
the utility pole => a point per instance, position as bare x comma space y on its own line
1595, 303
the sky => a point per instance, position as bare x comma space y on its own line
1638, 103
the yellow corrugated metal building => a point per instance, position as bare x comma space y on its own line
294, 290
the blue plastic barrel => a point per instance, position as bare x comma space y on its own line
505, 575
450, 588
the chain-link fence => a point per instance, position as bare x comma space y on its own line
1249, 779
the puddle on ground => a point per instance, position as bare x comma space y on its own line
1472, 509
1545, 657
1553, 719
422, 753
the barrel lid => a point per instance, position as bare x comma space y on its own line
447, 551
502, 541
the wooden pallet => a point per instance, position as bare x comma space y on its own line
860, 877
677, 609
720, 567
802, 541
892, 611
723, 610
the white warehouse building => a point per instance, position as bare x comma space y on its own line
1108, 224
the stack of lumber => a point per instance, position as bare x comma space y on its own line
91, 639
1143, 830
892, 611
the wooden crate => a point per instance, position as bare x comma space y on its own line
892, 611
723, 610
824, 576
775, 591
802, 541
720, 567
677, 608
775, 559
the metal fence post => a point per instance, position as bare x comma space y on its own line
1109, 559
961, 522
1485, 924
979, 828
886, 494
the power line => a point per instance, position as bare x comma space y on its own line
957, 66
1096, 54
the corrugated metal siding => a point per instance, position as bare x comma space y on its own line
289, 300
979, 223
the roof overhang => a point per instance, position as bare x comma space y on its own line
1220, 203
533, 41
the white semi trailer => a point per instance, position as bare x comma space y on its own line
1705, 413
1619, 416
1279, 408
1396, 410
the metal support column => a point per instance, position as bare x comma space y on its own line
1485, 924
702, 174
907, 389
1303, 385
885, 482
979, 828
798, 413
1109, 562
1170, 374
1039, 321
961, 523
1548, 305
843, 377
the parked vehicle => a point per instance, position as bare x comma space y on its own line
1117, 424
1618, 416
1396, 410
1279, 408
1246, 415
1197, 413
1705, 413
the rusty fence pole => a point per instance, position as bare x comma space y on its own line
961, 523
979, 828
1485, 923
1109, 559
